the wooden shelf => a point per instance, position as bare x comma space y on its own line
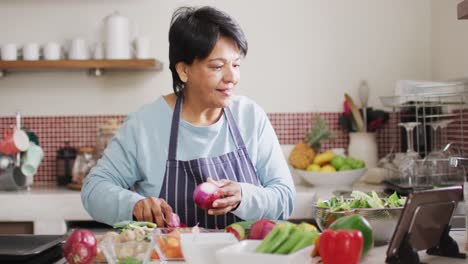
462, 9
95, 66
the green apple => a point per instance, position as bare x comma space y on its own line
337, 162
345, 167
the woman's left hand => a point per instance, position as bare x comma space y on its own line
232, 195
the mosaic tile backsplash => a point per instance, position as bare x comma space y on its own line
291, 128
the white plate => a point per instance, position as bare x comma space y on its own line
244, 252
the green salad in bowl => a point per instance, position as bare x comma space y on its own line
362, 200
382, 213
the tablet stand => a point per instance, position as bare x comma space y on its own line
406, 253
447, 247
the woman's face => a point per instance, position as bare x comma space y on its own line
212, 80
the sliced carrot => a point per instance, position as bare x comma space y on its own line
154, 254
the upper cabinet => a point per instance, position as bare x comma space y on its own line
462, 10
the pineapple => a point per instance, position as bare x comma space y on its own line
303, 153
301, 156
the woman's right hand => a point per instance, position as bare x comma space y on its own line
154, 210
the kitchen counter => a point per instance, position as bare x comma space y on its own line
49, 207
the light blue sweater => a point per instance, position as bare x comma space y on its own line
137, 157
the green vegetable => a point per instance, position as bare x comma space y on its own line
297, 238
308, 239
124, 225
129, 260
362, 200
240, 229
356, 222
275, 238
394, 201
373, 200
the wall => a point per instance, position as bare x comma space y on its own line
303, 55
449, 41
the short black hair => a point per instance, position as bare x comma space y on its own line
193, 34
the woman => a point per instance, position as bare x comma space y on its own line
199, 133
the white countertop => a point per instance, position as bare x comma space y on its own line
49, 207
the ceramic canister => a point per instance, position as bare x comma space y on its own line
117, 37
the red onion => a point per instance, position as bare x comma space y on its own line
205, 194
80, 247
174, 221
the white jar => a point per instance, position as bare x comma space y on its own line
117, 36
363, 145
31, 52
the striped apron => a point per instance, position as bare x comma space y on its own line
182, 177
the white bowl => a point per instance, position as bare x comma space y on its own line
201, 248
339, 178
244, 252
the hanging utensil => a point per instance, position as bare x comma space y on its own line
356, 114
364, 97
18, 126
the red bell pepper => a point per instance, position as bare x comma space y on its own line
340, 246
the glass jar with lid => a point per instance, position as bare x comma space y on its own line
85, 161
105, 134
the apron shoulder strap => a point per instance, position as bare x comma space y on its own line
175, 129
234, 128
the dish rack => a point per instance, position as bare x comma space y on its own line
442, 118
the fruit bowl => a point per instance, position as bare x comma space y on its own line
339, 178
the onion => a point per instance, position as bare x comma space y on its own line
80, 247
205, 194
174, 221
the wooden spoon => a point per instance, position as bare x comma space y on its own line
364, 97
356, 114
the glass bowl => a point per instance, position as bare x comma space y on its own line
117, 252
382, 220
166, 242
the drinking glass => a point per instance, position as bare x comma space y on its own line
408, 164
